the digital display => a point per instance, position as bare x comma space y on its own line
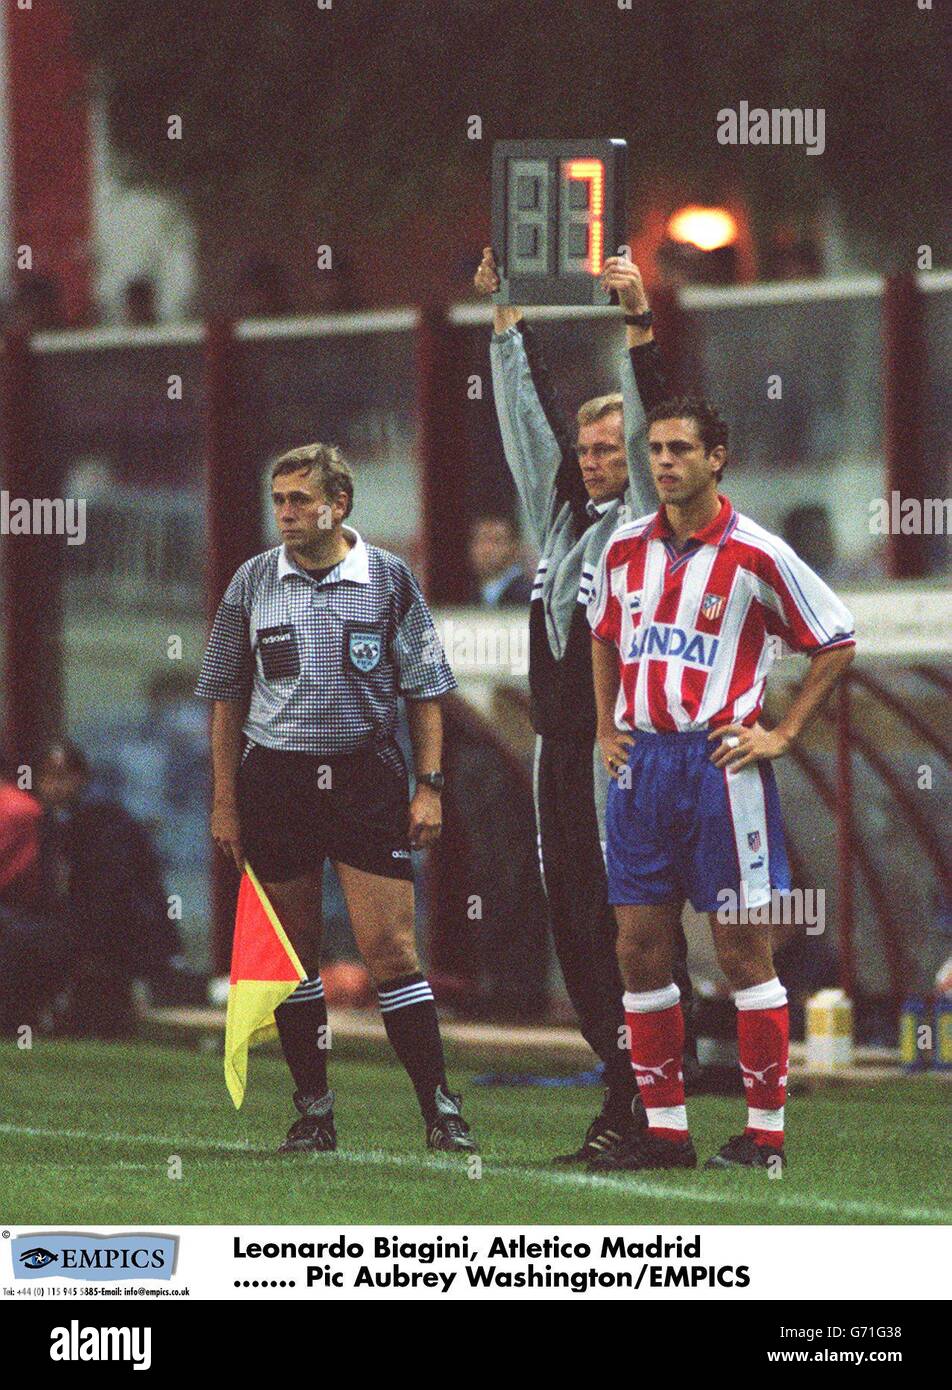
582, 185
528, 222
558, 211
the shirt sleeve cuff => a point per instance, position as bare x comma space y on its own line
229, 693
846, 639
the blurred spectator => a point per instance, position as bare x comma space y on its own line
37, 304
138, 301
495, 558
101, 910
792, 257
20, 814
33, 950
809, 531
180, 721
332, 289
679, 263
263, 289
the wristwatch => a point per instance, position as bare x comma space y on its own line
431, 779
644, 320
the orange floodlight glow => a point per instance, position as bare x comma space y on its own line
706, 228
593, 170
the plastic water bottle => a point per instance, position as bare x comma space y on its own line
829, 1030
913, 1054
942, 1037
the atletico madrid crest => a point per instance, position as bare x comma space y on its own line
712, 606
753, 840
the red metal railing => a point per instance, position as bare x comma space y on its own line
850, 848
853, 855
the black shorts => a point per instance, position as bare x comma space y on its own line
298, 809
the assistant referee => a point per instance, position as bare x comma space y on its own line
312, 645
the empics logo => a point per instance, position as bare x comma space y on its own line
37, 1258
75, 1343
97, 1259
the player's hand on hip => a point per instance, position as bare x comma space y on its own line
613, 745
226, 833
623, 276
739, 746
426, 817
486, 279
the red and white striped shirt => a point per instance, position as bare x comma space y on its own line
697, 629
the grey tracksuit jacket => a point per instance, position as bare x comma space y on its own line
568, 530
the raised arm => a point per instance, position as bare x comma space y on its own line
642, 379
536, 438
486, 281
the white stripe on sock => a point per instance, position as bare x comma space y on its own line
403, 998
390, 994
406, 1004
307, 991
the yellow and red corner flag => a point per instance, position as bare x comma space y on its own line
264, 971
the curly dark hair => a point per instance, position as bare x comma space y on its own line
711, 428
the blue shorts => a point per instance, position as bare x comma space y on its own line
683, 828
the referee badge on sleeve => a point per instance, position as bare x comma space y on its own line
364, 648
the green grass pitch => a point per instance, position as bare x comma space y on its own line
87, 1132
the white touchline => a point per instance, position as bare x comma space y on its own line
580, 1181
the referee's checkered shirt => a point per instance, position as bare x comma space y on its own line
323, 661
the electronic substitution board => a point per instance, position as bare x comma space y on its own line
558, 211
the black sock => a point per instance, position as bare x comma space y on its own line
409, 1016
618, 1072
302, 1028
622, 1091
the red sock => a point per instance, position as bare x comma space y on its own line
657, 1050
763, 1043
